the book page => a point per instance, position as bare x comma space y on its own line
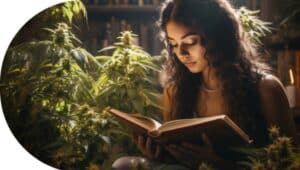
137, 121
181, 123
150, 123
221, 129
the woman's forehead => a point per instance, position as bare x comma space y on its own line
177, 30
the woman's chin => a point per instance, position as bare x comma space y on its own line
194, 71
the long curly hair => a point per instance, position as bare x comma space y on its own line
228, 49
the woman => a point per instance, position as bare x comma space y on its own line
214, 69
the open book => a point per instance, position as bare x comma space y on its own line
219, 129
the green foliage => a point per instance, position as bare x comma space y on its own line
67, 11
54, 93
255, 27
72, 12
127, 81
49, 85
278, 155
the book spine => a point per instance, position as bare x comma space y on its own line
141, 2
144, 35
103, 2
133, 2
155, 2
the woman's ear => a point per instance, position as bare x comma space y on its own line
206, 56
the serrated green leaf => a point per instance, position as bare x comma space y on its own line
102, 58
106, 49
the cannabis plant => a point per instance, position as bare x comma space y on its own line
279, 154
68, 11
255, 27
54, 92
48, 90
72, 12
128, 79
127, 82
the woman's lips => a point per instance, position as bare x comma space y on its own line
189, 64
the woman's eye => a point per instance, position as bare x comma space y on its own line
173, 45
190, 42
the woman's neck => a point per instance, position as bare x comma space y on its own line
210, 79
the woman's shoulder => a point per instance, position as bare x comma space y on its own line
270, 83
272, 93
275, 106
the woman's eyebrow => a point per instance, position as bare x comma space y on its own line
184, 36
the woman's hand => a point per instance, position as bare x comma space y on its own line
193, 155
190, 155
148, 147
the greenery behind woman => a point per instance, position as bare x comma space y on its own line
213, 69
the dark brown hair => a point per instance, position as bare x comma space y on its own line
228, 50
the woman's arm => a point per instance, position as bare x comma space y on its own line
275, 107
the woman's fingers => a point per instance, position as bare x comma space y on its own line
148, 144
134, 138
195, 148
206, 139
205, 153
141, 144
183, 155
153, 150
141, 141
147, 147
157, 151
179, 152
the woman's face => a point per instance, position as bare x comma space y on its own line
186, 44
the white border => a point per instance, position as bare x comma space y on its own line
13, 15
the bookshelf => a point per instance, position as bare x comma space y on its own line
124, 9
108, 18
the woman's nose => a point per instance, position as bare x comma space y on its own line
183, 52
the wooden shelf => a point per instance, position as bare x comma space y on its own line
151, 9
114, 18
